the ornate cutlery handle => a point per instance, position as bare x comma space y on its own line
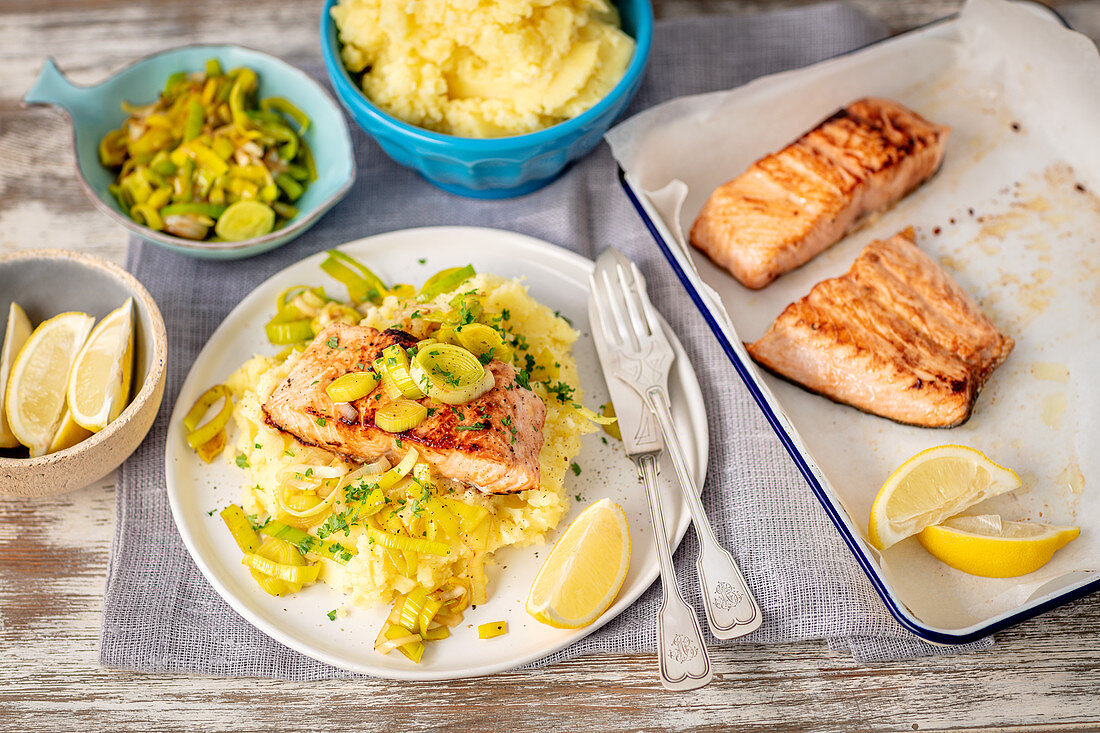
681, 653
731, 609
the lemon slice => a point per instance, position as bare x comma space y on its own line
68, 434
930, 487
35, 398
99, 383
15, 335
989, 546
585, 569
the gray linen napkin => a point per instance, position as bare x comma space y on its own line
159, 613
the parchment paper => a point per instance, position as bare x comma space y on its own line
1012, 215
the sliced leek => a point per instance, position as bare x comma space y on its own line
352, 386
401, 542
400, 415
470, 515
451, 374
398, 472
297, 574
395, 373
198, 435
492, 629
445, 281
305, 541
288, 332
484, 341
241, 529
362, 284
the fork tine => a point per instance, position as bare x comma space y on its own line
647, 305
614, 292
602, 310
633, 304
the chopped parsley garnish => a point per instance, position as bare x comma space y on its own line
398, 441
331, 615
242, 462
211, 512
561, 390
523, 378
564, 318
332, 342
307, 545
575, 468
475, 426
288, 453
578, 497
321, 421
258, 446
423, 260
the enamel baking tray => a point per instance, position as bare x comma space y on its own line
1011, 215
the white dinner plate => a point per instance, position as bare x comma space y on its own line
557, 278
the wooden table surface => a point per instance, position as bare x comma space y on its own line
1043, 675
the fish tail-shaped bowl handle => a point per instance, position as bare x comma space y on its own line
52, 87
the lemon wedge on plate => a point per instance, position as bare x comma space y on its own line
585, 569
99, 383
930, 487
15, 335
992, 547
35, 398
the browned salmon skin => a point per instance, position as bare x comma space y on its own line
491, 443
895, 336
790, 206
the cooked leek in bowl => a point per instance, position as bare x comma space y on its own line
208, 160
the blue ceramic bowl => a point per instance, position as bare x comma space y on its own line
94, 111
492, 167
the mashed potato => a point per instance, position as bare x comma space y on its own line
515, 520
484, 68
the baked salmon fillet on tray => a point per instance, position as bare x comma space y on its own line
895, 336
792, 205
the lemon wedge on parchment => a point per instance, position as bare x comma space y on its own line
992, 547
930, 487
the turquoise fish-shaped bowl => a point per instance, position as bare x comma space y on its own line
96, 110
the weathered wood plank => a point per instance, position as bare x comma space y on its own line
1042, 676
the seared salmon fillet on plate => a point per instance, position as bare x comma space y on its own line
790, 206
491, 442
895, 336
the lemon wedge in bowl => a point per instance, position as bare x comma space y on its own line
99, 383
930, 487
584, 570
35, 399
16, 334
992, 547
68, 433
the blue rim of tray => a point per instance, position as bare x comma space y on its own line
902, 616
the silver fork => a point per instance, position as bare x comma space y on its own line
644, 358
